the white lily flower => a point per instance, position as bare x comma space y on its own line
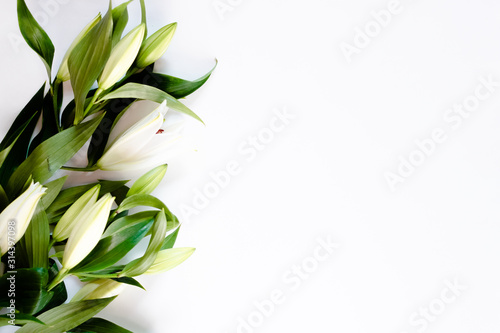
139, 145
76, 214
122, 57
85, 236
14, 219
102, 288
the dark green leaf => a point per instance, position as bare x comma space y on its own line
4, 200
174, 86
169, 241
59, 294
50, 117
130, 281
30, 294
29, 111
52, 154
35, 36
66, 316
23, 131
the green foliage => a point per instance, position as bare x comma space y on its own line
29, 155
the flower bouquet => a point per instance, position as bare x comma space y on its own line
49, 231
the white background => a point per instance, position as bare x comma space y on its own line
324, 174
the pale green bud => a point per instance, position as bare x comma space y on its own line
102, 288
76, 214
86, 234
63, 73
14, 219
122, 57
147, 183
155, 45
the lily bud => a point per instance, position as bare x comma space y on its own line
124, 151
102, 288
155, 45
63, 73
14, 219
86, 234
76, 214
122, 57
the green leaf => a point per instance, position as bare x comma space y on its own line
141, 265
129, 281
20, 134
125, 222
50, 117
141, 91
168, 259
28, 112
169, 241
147, 200
112, 248
4, 200
37, 238
99, 325
52, 154
174, 86
148, 182
4, 153
66, 316
59, 294
108, 273
35, 36
87, 61
53, 190
20, 319
120, 20
30, 293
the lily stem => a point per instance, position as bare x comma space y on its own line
86, 169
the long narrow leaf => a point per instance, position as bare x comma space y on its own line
36, 239
120, 20
52, 154
141, 91
35, 36
174, 86
87, 61
67, 316
141, 265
